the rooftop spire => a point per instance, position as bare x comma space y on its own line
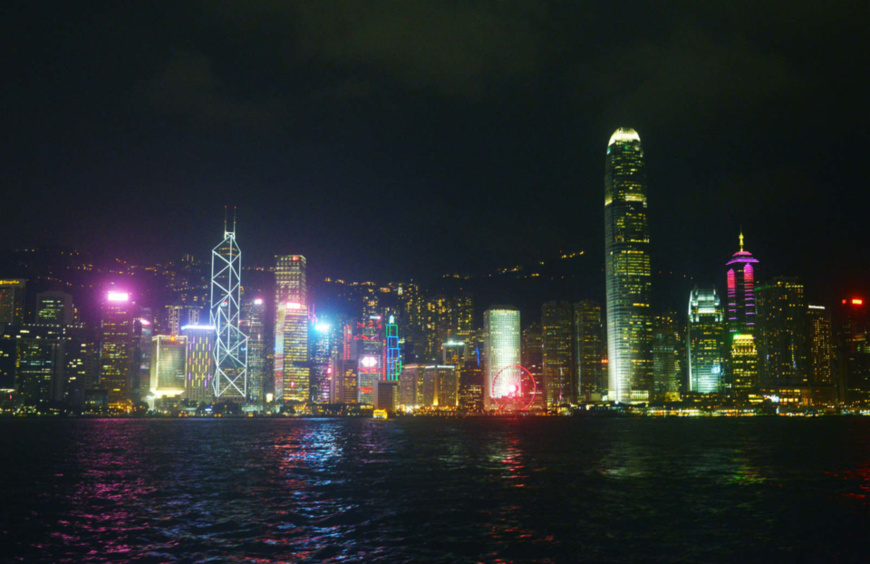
741, 239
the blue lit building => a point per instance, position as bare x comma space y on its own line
705, 341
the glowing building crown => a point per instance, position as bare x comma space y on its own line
622, 135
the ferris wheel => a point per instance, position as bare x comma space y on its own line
513, 388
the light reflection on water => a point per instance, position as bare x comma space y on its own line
492, 490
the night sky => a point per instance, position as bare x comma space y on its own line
402, 139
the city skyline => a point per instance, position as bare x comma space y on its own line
475, 161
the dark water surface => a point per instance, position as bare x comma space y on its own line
436, 490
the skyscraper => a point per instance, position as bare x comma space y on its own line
168, 364
740, 280
627, 270
741, 320
253, 325
592, 381
324, 345
200, 362
705, 341
116, 350
292, 378
744, 365
557, 327
532, 359
502, 336
854, 350
667, 356
782, 334
12, 302
821, 351
54, 307
231, 345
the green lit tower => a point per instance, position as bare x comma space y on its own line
627, 270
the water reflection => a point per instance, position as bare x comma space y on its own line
489, 490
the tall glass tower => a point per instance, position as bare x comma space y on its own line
501, 326
705, 341
627, 270
292, 377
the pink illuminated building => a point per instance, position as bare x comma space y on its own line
740, 280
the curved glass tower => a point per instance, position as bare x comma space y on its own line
627, 270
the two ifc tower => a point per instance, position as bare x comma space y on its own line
627, 270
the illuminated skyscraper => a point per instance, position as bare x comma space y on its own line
168, 364
667, 357
253, 325
532, 359
172, 322
744, 364
40, 363
854, 350
741, 316
394, 357
821, 347
471, 387
231, 345
324, 346
368, 347
12, 302
501, 327
54, 307
557, 327
740, 280
705, 341
782, 334
116, 350
592, 380
627, 270
200, 362
291, 329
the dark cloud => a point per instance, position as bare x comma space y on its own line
454, 48
188, 86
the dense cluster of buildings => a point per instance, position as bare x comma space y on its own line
214, 341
